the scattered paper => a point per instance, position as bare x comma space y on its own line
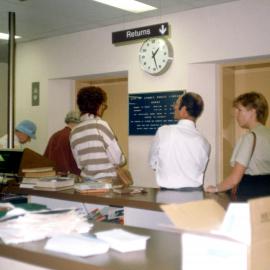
36, 226
6, 206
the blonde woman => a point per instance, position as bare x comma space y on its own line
250, 175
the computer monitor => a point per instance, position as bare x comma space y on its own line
10, 160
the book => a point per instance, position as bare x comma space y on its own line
128, 190
53, 188
39, 172
39, 169
28, 182
55, 182
91, 187
24, 185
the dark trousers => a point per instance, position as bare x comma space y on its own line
253, 186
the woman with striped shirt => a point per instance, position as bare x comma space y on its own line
93, 143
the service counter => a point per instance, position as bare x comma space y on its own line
163, 251
140, 210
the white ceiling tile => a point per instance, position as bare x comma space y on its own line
46, 18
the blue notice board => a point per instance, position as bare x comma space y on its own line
149, 111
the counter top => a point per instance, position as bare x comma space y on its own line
163, 252
151, 200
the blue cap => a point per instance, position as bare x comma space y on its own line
27, 127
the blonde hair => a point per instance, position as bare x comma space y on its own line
254, 100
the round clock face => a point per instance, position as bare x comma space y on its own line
155, 56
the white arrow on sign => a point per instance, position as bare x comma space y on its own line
162, 29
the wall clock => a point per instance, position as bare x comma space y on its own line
155, 56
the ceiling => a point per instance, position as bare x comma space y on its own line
37, 19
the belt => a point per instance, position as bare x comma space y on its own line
200, 188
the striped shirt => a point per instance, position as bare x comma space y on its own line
95, 148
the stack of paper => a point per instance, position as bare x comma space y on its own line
76, 244
92, 186
54, 183
123, 241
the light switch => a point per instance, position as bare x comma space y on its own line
35, 93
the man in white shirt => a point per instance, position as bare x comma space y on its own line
179, 153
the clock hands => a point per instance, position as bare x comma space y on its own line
154, 53
154, 56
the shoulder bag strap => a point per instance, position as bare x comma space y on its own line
254, 143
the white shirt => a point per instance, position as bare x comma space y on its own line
4, 143
259, 163
179, 155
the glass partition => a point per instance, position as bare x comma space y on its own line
3, 79
7, 63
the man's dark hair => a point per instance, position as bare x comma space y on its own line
193, 103
90, 98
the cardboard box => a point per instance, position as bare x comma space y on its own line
212, 238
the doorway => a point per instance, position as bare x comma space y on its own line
238, 79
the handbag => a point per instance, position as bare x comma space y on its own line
234, 189
124, 177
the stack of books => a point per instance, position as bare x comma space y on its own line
54, 183
93, 187
32, 175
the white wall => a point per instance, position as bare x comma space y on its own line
209, 35
60, 102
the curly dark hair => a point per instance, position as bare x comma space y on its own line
193, 103
90, 98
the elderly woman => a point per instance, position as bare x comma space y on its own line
250, 175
